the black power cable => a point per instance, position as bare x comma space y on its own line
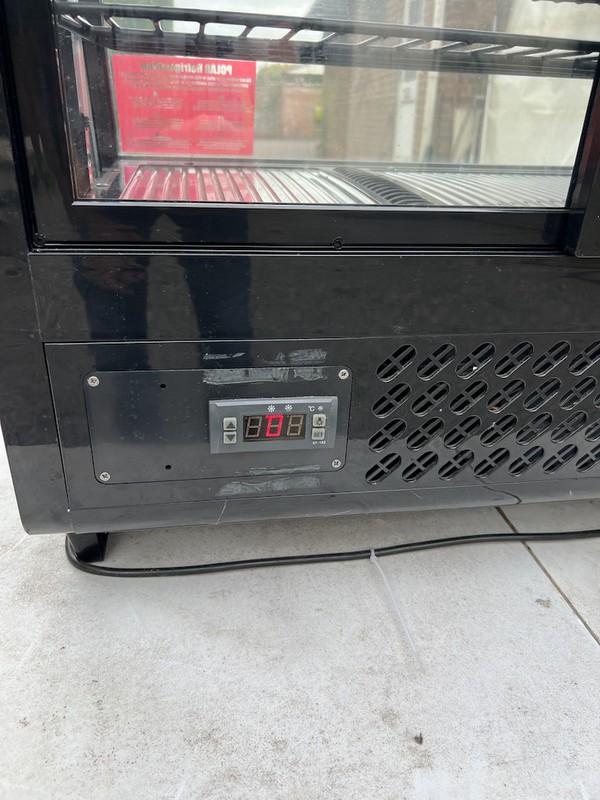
318, 558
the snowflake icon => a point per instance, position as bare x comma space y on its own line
271, 408
320, 408
288, 407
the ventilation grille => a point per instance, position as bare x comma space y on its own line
468, 397
430, 399
540, 396
456, 465
538, 425
400, 359
519, 354
428, 431
490, 464
589, 460
420, 466
569, 426
461, 432
586, 359
507, 395
498, 430
476, 360
578, 393
385, 467
386, 435
435, 363
551, 358
488, 411
390, 401
527, 460
381, 188
592, 434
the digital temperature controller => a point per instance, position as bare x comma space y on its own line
272, 424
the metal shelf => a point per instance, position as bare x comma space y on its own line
341, 43
340, 186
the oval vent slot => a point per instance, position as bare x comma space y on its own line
430, 399
435, 363
498, 430
456, 465
593, 432
476, 360
460, 433
535, 428
527, 460
391, 400
569, 426
468, 398
542, 394
597, 401
519, 354
551, 358
383, 469
578, 393
493, 462
428, 431
589, 460
386, 435
558, 460
585, 359
507, 395
419, 467
396, 363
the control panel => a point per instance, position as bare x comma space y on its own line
272, 424
222, 422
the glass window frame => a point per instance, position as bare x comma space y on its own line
60, 219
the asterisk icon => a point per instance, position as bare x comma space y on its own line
271, 408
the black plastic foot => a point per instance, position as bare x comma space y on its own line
89, 546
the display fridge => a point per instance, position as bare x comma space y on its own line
322, 257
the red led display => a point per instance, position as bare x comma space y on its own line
263, 427
274, 425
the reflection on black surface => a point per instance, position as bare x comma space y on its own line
115, 294
115, 291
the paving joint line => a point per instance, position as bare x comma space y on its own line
573, 608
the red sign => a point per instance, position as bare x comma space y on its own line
184, 106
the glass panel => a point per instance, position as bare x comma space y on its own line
413, 103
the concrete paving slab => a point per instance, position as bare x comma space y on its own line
296, 683
575, 566
202, 543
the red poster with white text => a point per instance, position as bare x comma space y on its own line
184, 106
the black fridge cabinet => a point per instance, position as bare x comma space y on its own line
311, 308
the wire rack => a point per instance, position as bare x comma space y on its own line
286, 39
343, 186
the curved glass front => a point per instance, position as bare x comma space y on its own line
413, 103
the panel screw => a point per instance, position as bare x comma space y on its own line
337, 243
336, 463
93, 380
39, 239
343, 374
104, 476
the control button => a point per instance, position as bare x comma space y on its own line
319, 421
230, 438
318, 433
229, 423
